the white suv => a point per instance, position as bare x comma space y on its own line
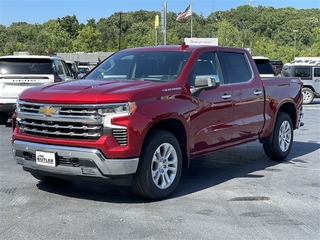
19, 72
82, 70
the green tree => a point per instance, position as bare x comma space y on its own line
267, 30
228, 35
53, 38
88, 40
70, 24
3, 39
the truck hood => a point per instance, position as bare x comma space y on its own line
89, 91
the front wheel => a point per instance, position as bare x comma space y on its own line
282, 138
160, 166
308, 95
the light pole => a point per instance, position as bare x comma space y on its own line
120, 28
295, 38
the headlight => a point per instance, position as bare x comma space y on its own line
118, 109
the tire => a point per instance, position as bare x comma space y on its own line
308, 95
160, 166
282, 138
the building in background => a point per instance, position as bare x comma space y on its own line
81, 57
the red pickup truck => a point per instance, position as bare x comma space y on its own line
140, 116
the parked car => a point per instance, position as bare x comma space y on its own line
83, 70
277, 66
73, 66
310, 77
19, 72
264, 66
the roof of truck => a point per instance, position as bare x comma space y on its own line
183, 47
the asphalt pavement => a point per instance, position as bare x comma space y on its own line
235, 193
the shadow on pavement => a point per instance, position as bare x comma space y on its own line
204, 172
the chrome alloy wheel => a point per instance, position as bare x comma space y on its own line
285, 136
164, 165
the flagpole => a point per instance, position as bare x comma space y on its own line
191, 20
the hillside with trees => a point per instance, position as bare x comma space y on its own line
266, 30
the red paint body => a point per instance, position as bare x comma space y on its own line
210, 121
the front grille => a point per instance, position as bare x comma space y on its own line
65, 121
68, 110
55, 129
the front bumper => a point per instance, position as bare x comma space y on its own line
73, 161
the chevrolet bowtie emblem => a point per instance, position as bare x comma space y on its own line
48, 110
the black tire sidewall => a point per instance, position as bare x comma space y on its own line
279, 154
153, 141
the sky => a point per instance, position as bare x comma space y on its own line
40, 11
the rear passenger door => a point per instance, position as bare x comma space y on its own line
247, 94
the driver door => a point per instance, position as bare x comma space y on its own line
211, 115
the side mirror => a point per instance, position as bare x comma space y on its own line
205, 82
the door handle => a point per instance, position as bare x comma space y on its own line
226, 96
257, 92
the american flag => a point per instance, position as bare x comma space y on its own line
185, 13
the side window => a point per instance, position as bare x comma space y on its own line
59, 68
236, 67
66, 69
206, 64
302, 72
316, 72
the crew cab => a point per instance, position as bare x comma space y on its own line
142, 114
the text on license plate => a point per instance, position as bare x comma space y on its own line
46, 158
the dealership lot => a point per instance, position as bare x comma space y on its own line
236, 193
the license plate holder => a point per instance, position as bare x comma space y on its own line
46, 158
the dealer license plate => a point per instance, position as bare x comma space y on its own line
46, 158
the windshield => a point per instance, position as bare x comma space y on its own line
153, 66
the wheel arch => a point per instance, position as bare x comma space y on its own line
310, 87
175, 127
288, 108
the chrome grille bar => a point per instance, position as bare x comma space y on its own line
58, 133
67, 121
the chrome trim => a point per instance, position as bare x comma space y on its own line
58, 133
75, 105
106, 166
226, 96
61, 118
